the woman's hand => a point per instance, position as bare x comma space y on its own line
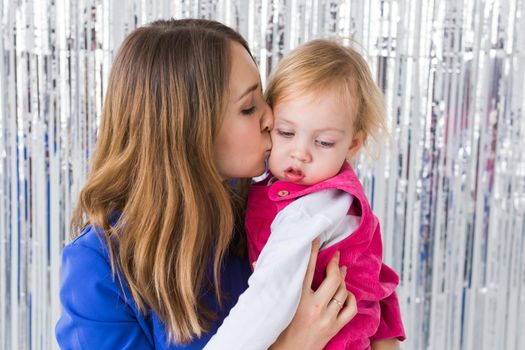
321, 314
386, 344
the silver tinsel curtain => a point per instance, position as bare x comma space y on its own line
449, 188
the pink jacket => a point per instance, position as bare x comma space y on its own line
371, 281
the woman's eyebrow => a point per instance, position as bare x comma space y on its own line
248, 90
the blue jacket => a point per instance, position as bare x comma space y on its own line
98, 314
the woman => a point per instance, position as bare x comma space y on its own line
157, 259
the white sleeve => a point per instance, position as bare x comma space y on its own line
266, 308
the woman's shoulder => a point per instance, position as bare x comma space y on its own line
87, 273
86, 260
91, 242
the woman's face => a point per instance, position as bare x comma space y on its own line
243, 141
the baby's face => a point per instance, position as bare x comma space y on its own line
312, 137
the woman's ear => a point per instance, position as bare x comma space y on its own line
355, 146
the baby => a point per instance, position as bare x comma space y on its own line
326, 106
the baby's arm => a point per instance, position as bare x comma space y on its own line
266, 308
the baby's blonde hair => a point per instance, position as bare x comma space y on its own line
321, 65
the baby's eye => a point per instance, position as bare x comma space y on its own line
248, 111
283, 133
325, 144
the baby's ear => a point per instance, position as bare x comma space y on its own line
355, 146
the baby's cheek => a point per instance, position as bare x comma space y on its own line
273, 162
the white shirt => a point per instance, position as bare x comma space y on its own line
266, 308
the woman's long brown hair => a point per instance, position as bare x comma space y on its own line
153, 168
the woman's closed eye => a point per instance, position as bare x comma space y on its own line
248, 110
325, 144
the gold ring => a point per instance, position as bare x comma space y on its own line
340, 304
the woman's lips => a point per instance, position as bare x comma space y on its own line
293, 174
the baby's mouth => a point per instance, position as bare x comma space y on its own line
294, 171
293, 174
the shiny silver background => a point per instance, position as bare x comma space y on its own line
449, 187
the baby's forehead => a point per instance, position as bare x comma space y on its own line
329, 125
305, 99
344, 93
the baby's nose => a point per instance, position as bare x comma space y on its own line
301, 155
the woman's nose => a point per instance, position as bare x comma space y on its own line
267, 119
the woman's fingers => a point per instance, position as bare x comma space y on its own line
348, 311
308, 278
313, 322
339, 299
332, 281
